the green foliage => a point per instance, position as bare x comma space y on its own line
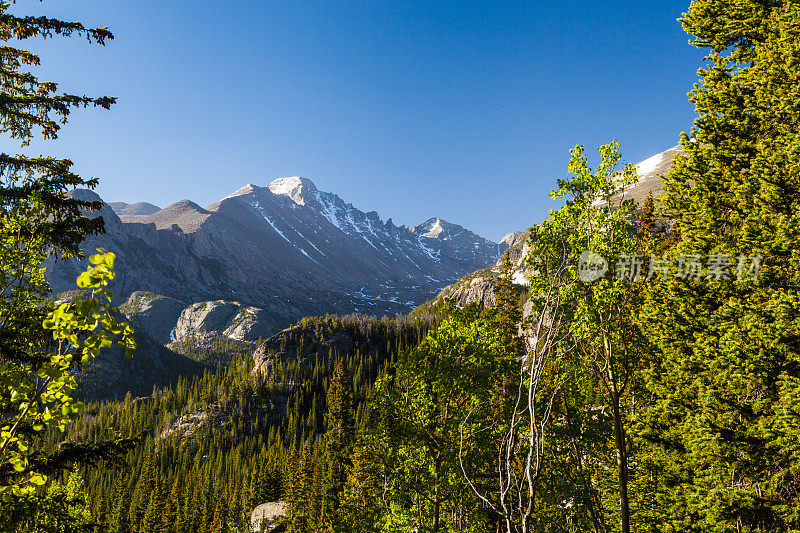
39, 397
596, 219
421, 406
725, 387
42, 346
63, 508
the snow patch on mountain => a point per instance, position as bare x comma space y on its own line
257, 205
328, 210
435, 230
294, 187
271, 223
649, 165
433, 254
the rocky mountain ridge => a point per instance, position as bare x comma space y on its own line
174, 322
288, 249
139, 208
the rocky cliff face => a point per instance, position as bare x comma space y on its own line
167, 320
201, 322
286, 250
164, 327
154, 314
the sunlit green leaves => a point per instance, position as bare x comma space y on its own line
79, 330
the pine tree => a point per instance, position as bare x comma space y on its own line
118, 521
647, 222
301, 495
508, 313
338, 442
38, 219
725, 392
362, 495
255, 491
170, 508
143, 492
151, 519
219, 523
30, 105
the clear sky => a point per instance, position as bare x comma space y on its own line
459, 109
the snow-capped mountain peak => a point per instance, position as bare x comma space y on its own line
294, 187
292, 249
438, 228
434, 230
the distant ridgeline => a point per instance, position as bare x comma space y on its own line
179, 336
287, 250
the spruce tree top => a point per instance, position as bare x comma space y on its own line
29, 106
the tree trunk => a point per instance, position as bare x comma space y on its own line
436, 502
622, 463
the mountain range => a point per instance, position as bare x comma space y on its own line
288, 249
255, 262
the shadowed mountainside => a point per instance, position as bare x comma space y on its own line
287, 249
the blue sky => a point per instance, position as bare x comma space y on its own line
463, 110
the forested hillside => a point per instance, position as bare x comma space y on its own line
208, 450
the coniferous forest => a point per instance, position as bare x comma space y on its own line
646, 379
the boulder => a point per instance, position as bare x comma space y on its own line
194, 422
268, 517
